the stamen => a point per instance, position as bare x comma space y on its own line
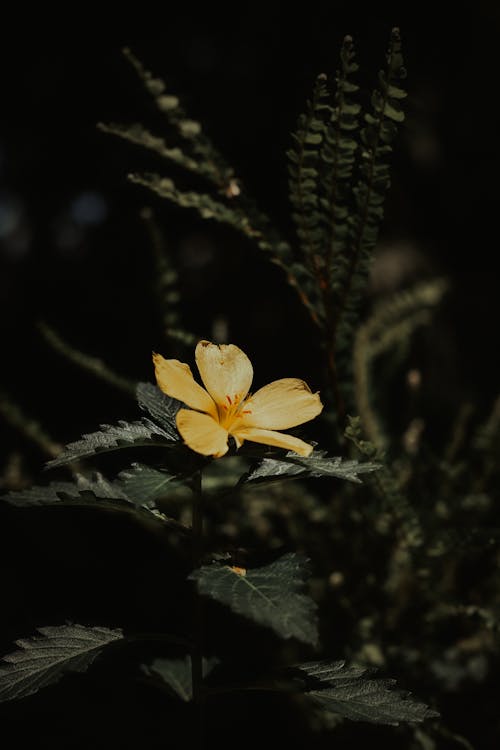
229, 399
246, 411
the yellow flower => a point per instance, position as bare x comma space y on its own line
226, 408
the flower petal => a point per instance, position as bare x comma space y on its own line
270, 437
225, 371
282, 404
202, 433
176, 380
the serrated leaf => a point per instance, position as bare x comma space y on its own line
56, 493
271, 595
161, 408
176, 673
94, 491
43, 660
99, 486
142, 484
111, 438
316, 465
350, 692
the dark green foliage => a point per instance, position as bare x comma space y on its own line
316, 465
161, 408
196, 153
143, 484
339, 151
201, 156
338, 178
390, 325
271, 595
43, 660
133, 492
112, 438
377, 135
388, 488
304, 176
177, 674
321, 172
349, 691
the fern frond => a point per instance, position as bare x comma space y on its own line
486, 442
338, 156
388, 488
199, 146
303, 170
487, 435
392, 321
204, 204
240, 220
377, 136
140, 136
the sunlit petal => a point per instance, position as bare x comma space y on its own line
269, 437
202, 433
176, 380
282, 404
225, 370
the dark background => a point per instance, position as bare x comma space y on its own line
246, 79
74, 251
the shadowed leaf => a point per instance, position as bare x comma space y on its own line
271, 595
176, 673
95, 491
142, 484
112, 438
43, 660
348, 691
316, 465
161, 408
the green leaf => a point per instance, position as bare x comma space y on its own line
161, 408
82, 492
176, 673
43, 660
271, 595
393, 113
112, 438
95, 492
142, 484
316, 465
313, 139
346, 690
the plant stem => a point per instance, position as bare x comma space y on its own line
197, 638
337, 396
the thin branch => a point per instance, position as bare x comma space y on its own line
30, 428
88, 362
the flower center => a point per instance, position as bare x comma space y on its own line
231, 410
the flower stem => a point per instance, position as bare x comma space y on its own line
198, 630
337, 397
